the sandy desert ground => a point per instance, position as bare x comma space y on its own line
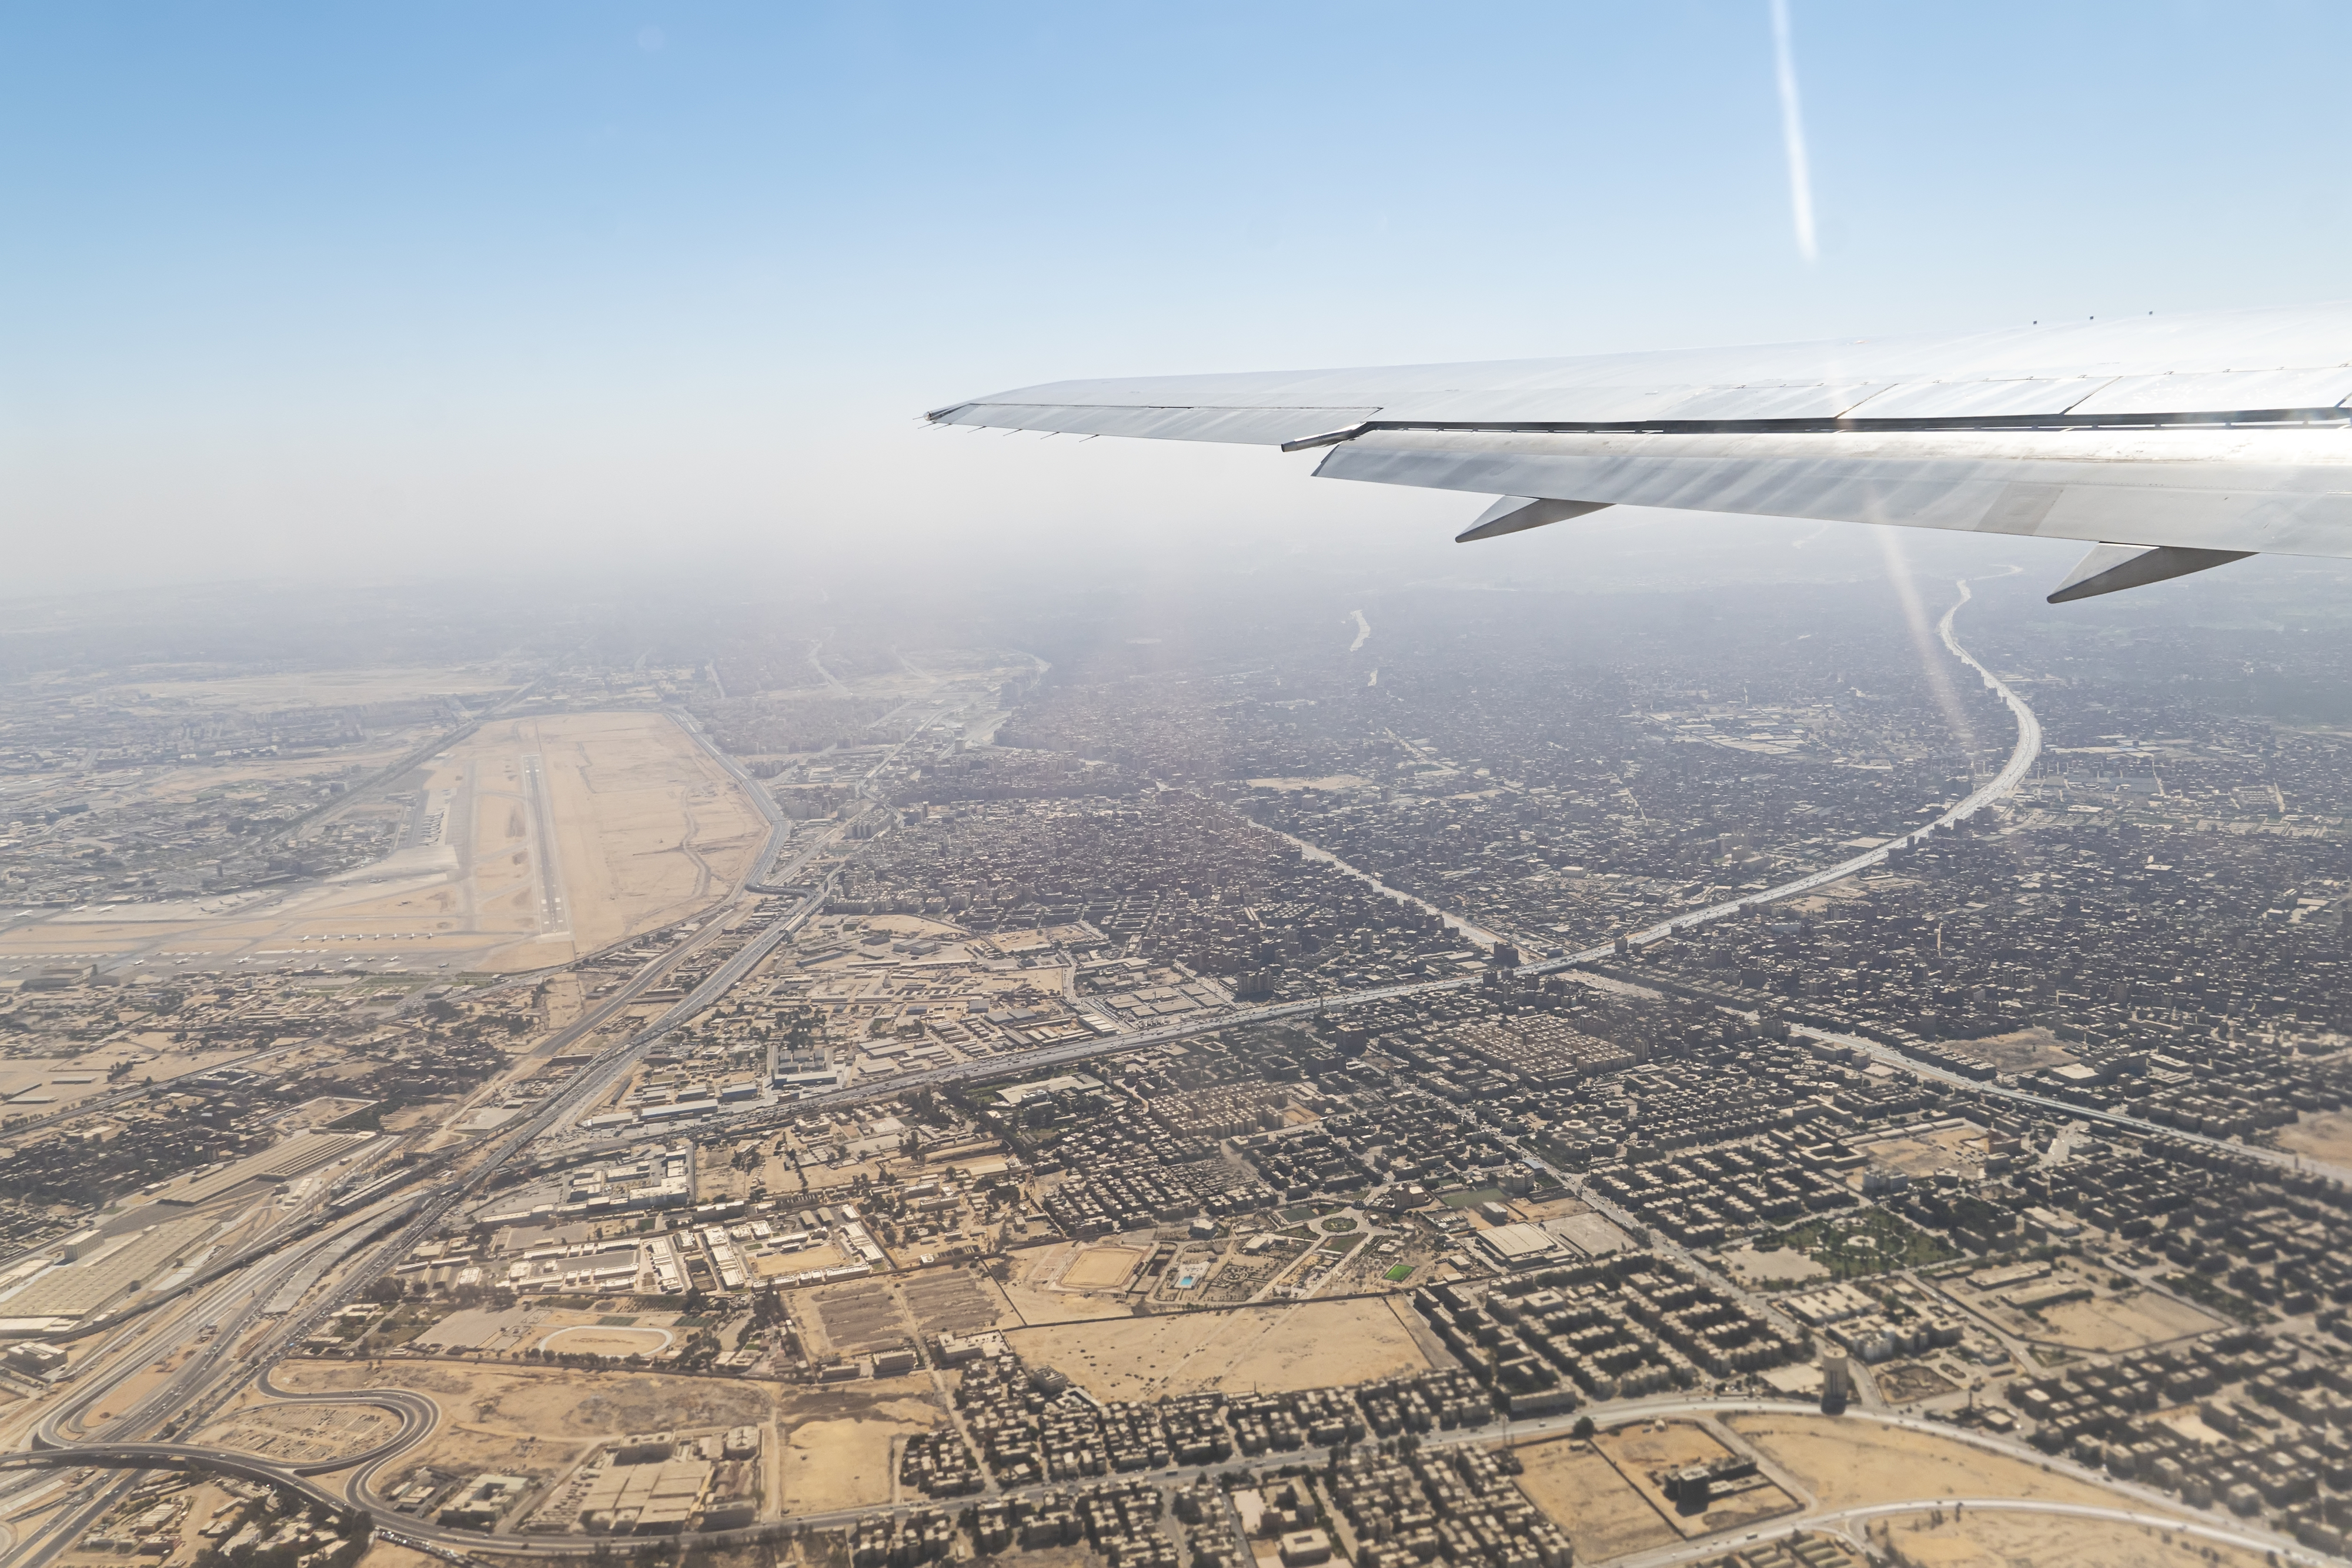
1311, 1345
836, 1448
1849, 1464
2322, 1135
1583, 1494
1983, 1540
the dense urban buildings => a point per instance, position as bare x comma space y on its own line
1440, 1079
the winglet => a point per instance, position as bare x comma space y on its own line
2109, 568
1515, 514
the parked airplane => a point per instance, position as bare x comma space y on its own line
2172, 444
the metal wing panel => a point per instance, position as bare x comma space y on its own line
1250, 427
2286, 491
1978, 400
2228, 391
1547, 405
2223, 363
1761, 402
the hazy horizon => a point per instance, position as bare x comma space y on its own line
392, 297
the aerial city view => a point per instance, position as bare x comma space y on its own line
627, 936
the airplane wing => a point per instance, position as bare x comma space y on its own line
2172, 444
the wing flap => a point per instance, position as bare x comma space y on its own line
2283, 491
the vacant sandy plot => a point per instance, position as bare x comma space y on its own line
2121, 1323
1311, 1345
556, 1404
837, 1441
1975, 1538
301, 1434
837, 1451
2022, 1052
2103, 1321
383, 1553
1750, 1268
1028, 1294
1848, 1463
1101, 1269
1927, 1154
52, 1083
1583, 1494
2322, 1135
1646, 1452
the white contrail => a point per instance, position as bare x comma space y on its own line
1792, 131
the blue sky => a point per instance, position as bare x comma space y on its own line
415, 289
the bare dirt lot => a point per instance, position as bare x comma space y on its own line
510, 1418
797, 1262
1980, 1539
2125, 1322
301, 1433
1584, 1494
1032, 1301
1753, 1267
2108, 1321
1310, 1344
837, 1446
1924, 1156
1849, 1464
1644, 1453
2322, 1135
837, 1441
2022, 1052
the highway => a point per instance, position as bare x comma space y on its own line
211, 1375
